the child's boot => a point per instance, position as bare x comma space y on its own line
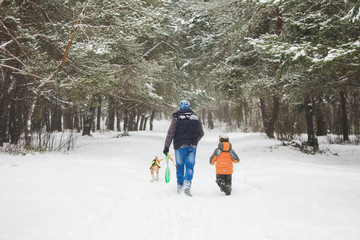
221, 184
227, 189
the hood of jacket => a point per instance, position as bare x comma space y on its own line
188, 110
225, 146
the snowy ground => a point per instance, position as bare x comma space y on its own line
102, 191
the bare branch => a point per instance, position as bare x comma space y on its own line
7, 59
13, 38
122, 7
12, 55
19, 71
7, 43
67, 49
150, 51
95, 27
171, 47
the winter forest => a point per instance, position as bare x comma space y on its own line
88, 88
283, 68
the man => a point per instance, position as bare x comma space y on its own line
186, 130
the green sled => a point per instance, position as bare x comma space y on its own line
167, 171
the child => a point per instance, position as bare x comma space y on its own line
224, 156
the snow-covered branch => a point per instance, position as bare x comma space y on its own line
37, 90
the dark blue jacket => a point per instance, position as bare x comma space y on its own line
185, 129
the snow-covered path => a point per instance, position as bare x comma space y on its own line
102, 191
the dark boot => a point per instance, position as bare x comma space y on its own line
221, 184
228, 184
227, 189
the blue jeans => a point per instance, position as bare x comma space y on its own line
185, 162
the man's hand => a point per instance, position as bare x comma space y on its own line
166, 150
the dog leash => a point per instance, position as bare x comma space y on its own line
170, 159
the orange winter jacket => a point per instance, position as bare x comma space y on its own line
224, 156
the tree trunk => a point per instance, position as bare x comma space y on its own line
118, 119
14, 122
126, 122
88, 121
68, 119
309, 115
93, 125
152, 120
141, 128
10, 81
136, 128
53, 118
56, 115
279, 22
210, 120
356, 109
98, 119
239, 115
111, 119
77, 119
320, 118
247, 117
145, 122
203, 116
131, 119
269, 122
227, 117
46, 118
36, 120
4, 109
344, 119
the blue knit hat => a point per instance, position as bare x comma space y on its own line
184, 104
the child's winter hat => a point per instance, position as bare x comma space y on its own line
184, 104
224, 137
